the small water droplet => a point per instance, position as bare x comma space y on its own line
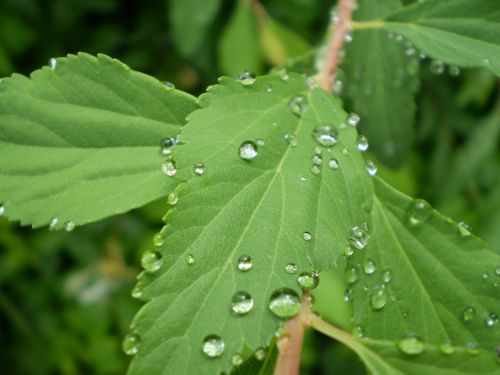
53, 63
169, 168
369, 266
298, 105
172, 198
302, 178
485, 275
260, 354
269, 88
291, 268
358, 331
387, 276
464, 229
454, 71
69, 226
242, 303
308, 280
333, 164
284, 303
437, 67
378, 298
316, 169
411, 346
447, 348
248, 150
199, 168
472, 348
419, 211
306, 236
497, 271
166, 145
345, 151
284, 75
349, 251
190, 259
151, 261
237, 360
358, 236
53, 223
213, 346
362, 143
348, 295
290, 140
244, 263
351, 275
468, 314
137, 292
371, 168
260, 142
491, 320
158, 240
2, 210
316, 159
326, 135
246, 78
353, 119
130, 344
169, 85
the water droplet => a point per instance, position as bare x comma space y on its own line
137, 292
302, 178
491, 320
485, 275
348, 37
130, 344
358, 236
284, 303
284, 75
358, 331
151, 261
244, 263
437, 67
351, 275
333, 164
269, 88
242, 303
166, 145
316, 159
348, 295
237, 360
411, 346
248, 150
260, 142
53, 223
306, 236
213, 346
371, 168
158, 240
353, 119
291, 268
172, 198
316, 169
345, 151
497, 271
387, 276
362, 143
464, 229
2, 210
419, 211
246, 78
326, 135
190, 259
468, 314
472, 348
348, 251
260, 354
308, 280
53, 63
290, 140
199, 168
369, 266
447, 348
454, 71
169, 168
298, 105
338, 85
69, 226
378, 297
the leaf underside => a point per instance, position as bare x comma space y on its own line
81, 142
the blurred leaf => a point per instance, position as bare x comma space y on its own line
239, 45
477, 87
82, 142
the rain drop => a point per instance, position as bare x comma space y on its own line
169, 85
237, 360
69, 226
497, 271
316, 169
468, 314
358, 331
454, 71
353, 119
269, 88
308, 280
290, 140
369, 266
306, 236
333, 164
242, 303
260, 142
291, 268
316, 159
284, 75
190, 259
213, 346
199, 168
464, 229
130, 344
2, 210
53, 63
351, 275
411, 346
166, 145
172, 198
53, 223
246, 78
298, 105
358, 236
326, 135
491, 320
419, 211
151, 261
260, 354
362, 143
158, 240
371, 168
284, 303
348, 295
169, 168
387, 276
248, 150
447, 348
244, 263
378, 298
437, 67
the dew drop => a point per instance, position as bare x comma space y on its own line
464, 229
69, 226
362, 143
358, 331
369, 266
260, 142
172, 198
168, 85
242, 303
199, 168
353, 119
306, 236
213, 346
190, 259
371, 168
454, 71
387, 276
378, 298
169, 168
246, 78
333, 164
349, 251
290, 140
298, 105
269, 88
302, 178
345, 151
419, 211
2, 210
468, 314
326, 135
308, 280
316, 169
411, 346
316, 159
151, 261
284, 303
248, 150
237, 360
244, 263
351, 275
130, 344
137, 292
358, 236
437, 67
260, 354
158, 240
485, 275
348, 295
291, 268
53, 63
284, 75
447, 348
53, 223
491, 320
497, 271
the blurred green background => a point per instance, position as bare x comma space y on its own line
65, 297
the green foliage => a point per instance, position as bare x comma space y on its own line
80, 142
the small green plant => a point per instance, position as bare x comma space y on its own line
268, 188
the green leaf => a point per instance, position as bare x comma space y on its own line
259, 208
190, 20
82, 142
438, 271
458, 32
239, 47
381, 82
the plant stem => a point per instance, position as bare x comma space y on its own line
339, 27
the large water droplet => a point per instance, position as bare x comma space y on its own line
362, 143
378, 298
169, 168
246, 78
411, 346
325, 134
130, 344
284, 303
353, 119
369, 266
213, 346
308, 280
53, 63
291, 268
260, 354
447, 348
244, 263
298, 105
69, 226
358, 236
290, 140
419, 211
199, 168
167, 145
469, 314
306, 236
242, 303
248, 150
151, 261
491, 320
